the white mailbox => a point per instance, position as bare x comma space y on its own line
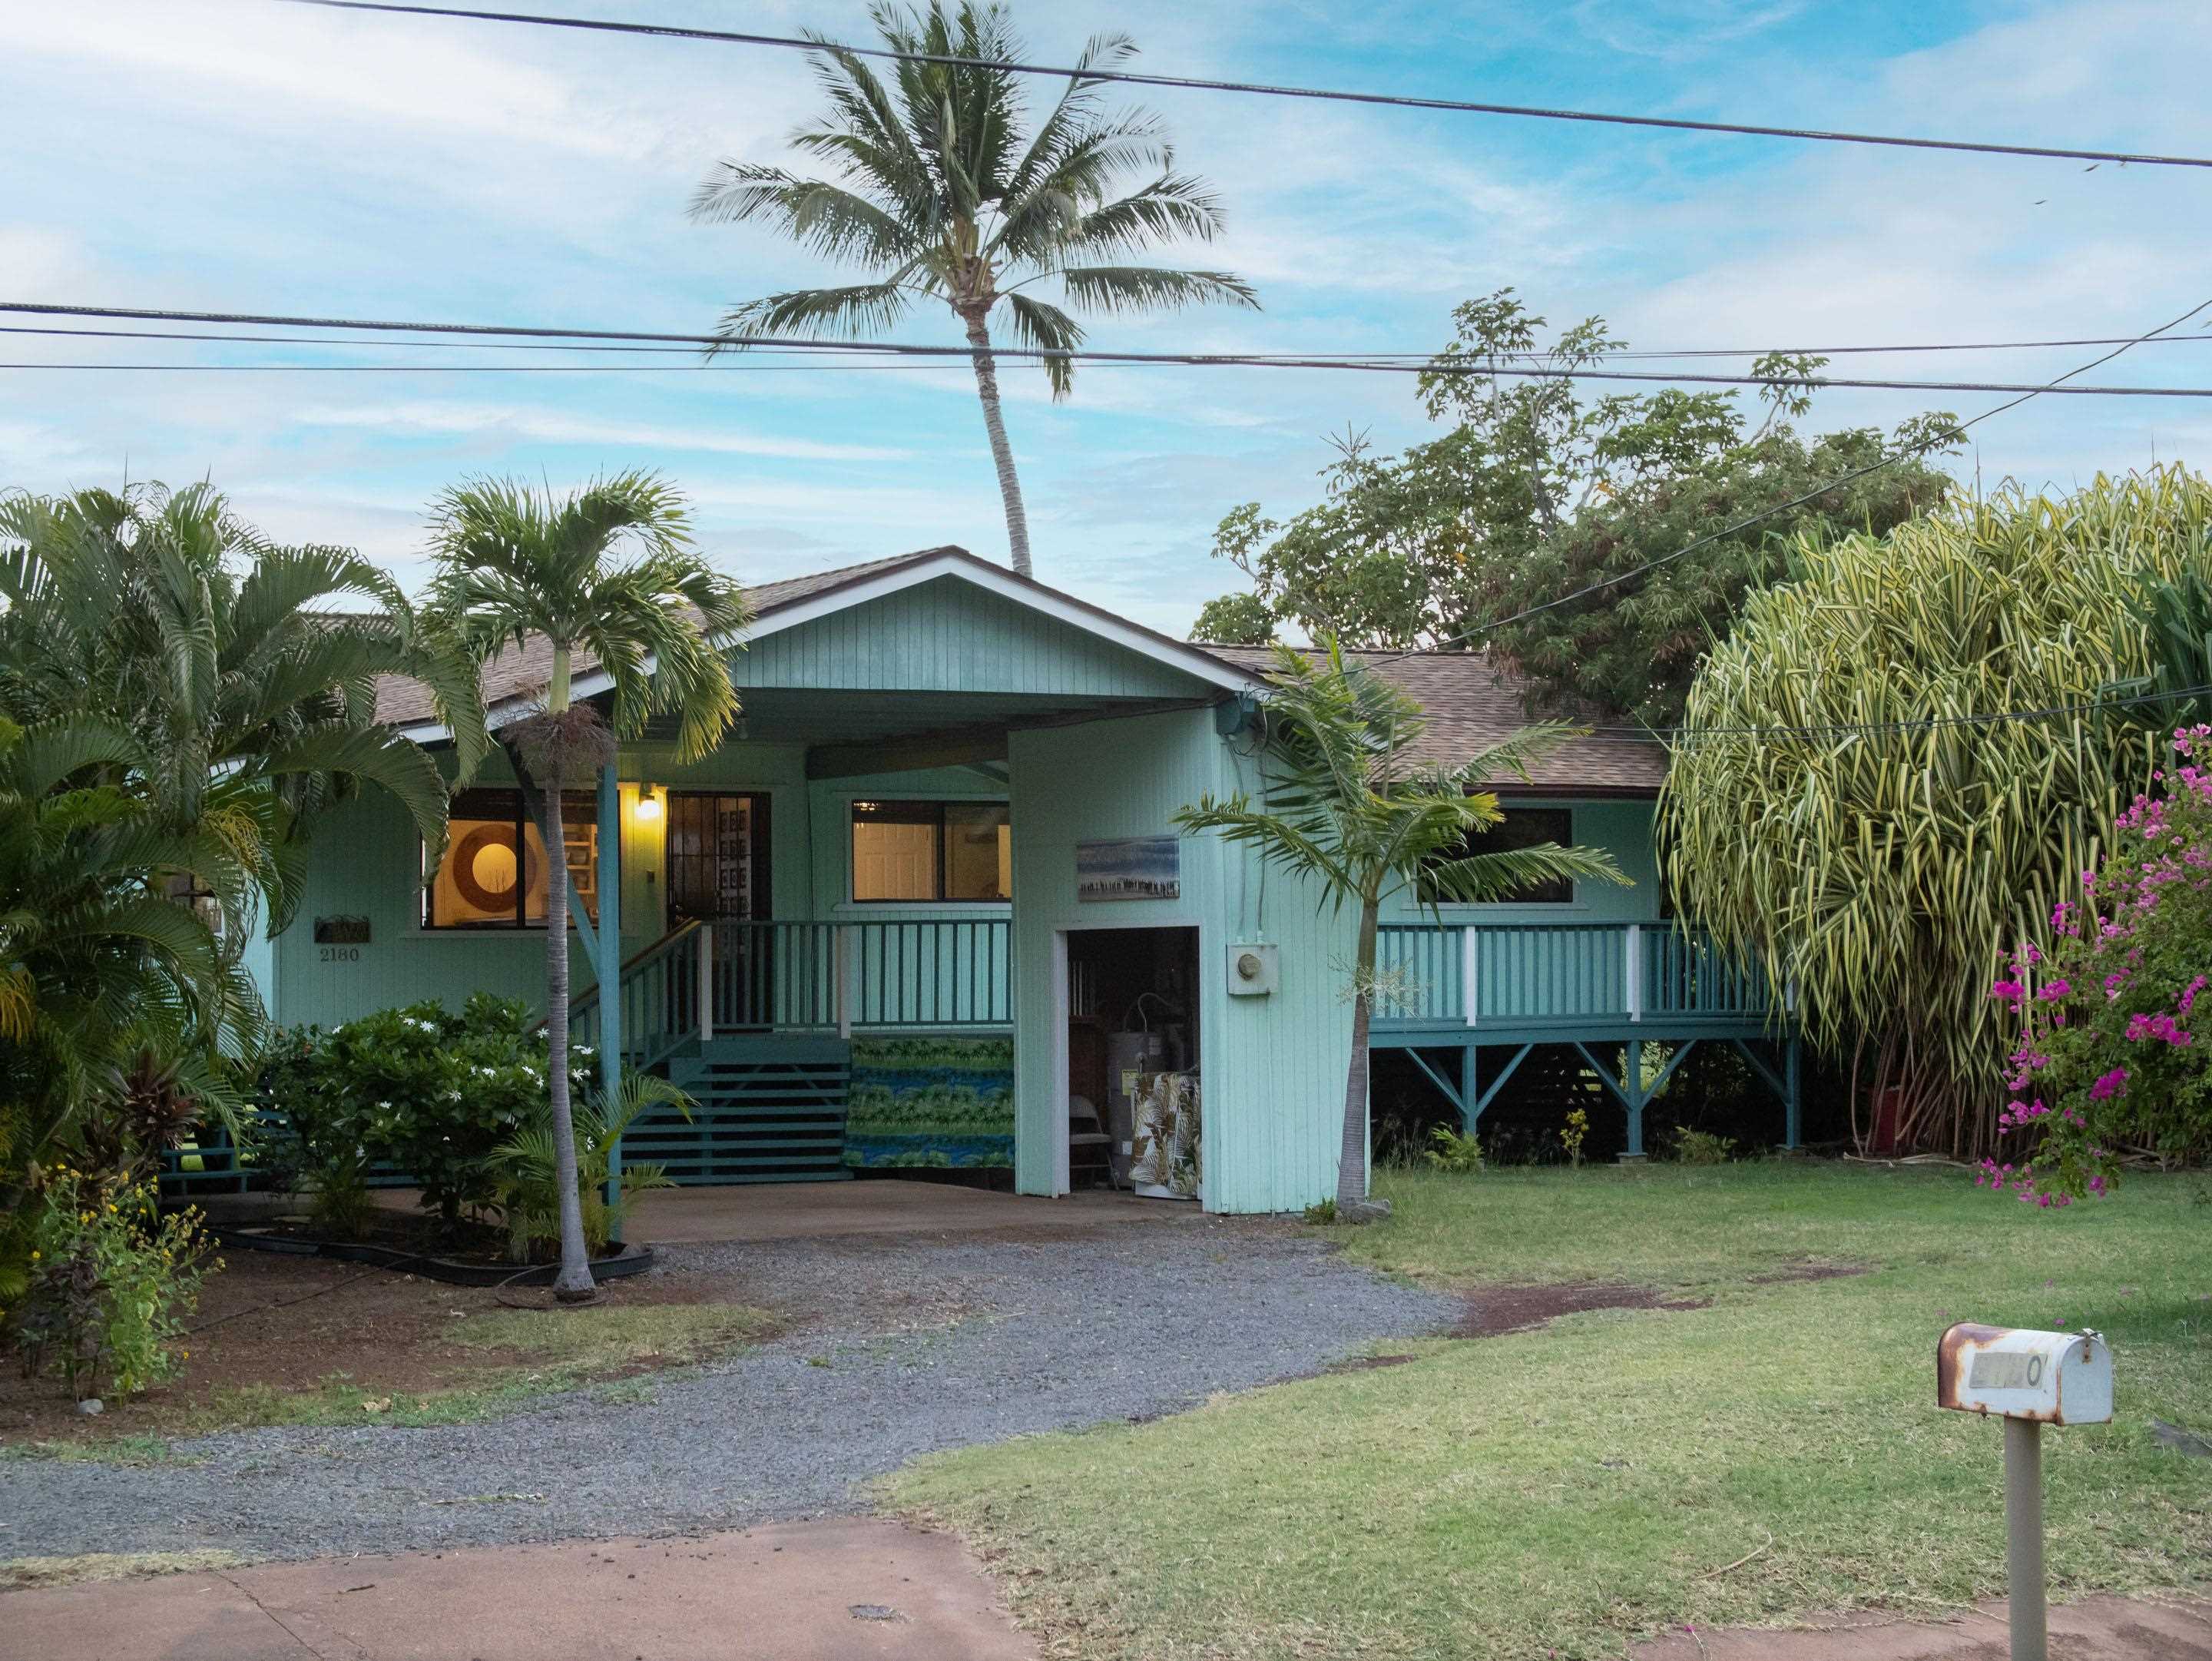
2012, 1372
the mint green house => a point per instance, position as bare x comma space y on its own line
944, 815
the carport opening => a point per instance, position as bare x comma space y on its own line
1130, 1016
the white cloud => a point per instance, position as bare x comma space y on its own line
516, 422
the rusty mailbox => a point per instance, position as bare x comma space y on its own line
2012, 1372
2028, 1379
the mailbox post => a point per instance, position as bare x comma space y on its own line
2029, 1379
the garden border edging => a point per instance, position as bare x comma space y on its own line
626, 1261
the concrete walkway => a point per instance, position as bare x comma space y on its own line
2093, 1629
860, 1591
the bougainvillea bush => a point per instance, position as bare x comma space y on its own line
2108, 1064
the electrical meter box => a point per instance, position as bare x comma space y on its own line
2013, 1372
1251, 970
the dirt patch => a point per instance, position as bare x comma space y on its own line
1809, 1272
1495, 1310
290, 1323
1368, 1363
2099, 1628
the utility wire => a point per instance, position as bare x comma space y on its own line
1196, 83
1888, 461
799, 349
1450, 367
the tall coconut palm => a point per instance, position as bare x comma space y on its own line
1346, 806
941, 189
608, 573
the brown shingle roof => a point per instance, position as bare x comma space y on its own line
1473, 700
513, 673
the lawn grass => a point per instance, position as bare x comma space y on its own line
23, 1573
1570, 1489
524, 1354
133, 1452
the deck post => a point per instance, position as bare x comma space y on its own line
1466, 986
1792, 1070
706, 982
610, 958
1470, 1075
844, 968
1633, 1079
1632, 956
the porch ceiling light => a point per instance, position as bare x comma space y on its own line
648, 803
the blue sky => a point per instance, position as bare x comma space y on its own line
236, 155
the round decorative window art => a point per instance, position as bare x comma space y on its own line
484, 868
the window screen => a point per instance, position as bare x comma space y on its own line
1524, 827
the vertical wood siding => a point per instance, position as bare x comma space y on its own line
1272, 1067
949, 635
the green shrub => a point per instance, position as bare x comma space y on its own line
420, 1090
1321, 1214
112, 1283
1453, 1150
1703, 1148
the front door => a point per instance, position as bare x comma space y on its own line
718, 874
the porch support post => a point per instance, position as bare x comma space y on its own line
1792, 1070
1470, 1077
844, 982
1633, 1077
610, 958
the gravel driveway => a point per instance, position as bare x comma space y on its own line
929, 1342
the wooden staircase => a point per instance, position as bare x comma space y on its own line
765, 1108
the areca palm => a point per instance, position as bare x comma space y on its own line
250, 688
99, 969
939, 194
1346, 806
513, 563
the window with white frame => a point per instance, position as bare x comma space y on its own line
931, 852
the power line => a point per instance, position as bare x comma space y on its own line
1741, 525
1475, 369
800, 348
1196, 83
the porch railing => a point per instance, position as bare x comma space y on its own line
1562, 975
706, 978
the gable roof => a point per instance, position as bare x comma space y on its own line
514, 674
1474, 699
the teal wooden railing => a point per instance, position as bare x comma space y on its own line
660, 992
1540, 975
705, 979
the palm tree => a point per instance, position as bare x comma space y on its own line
250, 685
1345, 806
938, 193
512, 564
101, 975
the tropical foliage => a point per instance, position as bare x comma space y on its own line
112, 1283
1536, 492
180, 700
1839, 805
2107, 1063
525, 1169
246, 670
420, 1090
942, 189
608, 573
1346, 806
